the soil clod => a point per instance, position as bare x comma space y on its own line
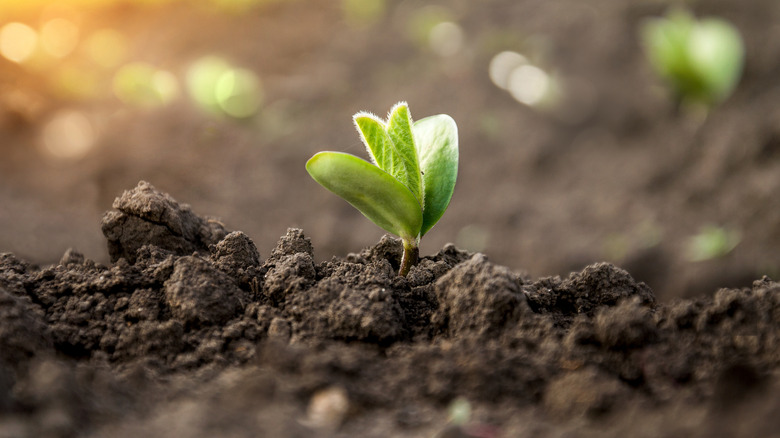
146, 216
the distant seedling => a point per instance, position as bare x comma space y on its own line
712, 242
700, 60
410, 183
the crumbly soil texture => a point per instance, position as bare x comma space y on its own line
190, 332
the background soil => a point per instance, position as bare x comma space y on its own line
170, 325
612, 173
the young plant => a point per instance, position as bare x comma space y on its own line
408, 185
712, 242
700, 60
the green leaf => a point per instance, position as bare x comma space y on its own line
701, 60
717, 54
712, 242
391, 146
437, 147
664, 39
374, 135
399, 127
374, 192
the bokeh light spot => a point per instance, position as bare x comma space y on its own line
142, 85
446, 38
423, 20
68, 135
238, 93
75, 81
529, 84
107, 48
202, 78
166, 85
59, 37
502, 65
218, 87
17, 42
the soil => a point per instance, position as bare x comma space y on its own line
566, 305
191, 333
610, 174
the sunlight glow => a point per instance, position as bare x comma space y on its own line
59, 37
75, 81
106, 47
202, 77
502, 65
166, 85
529, 84
219, 87
238, 93
17, 42
446, 38
69, 135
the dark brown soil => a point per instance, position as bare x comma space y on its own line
612, 174
191, 333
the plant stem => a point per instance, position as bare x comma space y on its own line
410, 257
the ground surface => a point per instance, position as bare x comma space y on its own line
163, 322
191, 333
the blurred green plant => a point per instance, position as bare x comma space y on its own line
407, 188
700, 60
712, 242
220, 88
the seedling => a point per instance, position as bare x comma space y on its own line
712, 242
700, 60
409, 183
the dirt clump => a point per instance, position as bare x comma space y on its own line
146, 216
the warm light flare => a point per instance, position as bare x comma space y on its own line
107, 47
25, 6
17, 42
22, 6
59, 37
68, 135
